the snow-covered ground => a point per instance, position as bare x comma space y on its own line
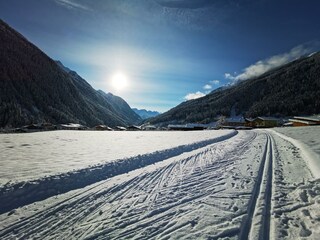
35, 155
298, 214
250, 185
309, 136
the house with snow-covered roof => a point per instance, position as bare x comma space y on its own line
249, 122
102, 127
298, 121
120, 128
234, 122
149, 127
72, 126
134, 128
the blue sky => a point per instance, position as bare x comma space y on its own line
170, 50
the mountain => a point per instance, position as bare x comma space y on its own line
144, 114
34, 88
120, 106
292, 89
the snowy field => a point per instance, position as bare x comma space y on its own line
179, 185
35, 155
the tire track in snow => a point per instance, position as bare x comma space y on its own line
256, 225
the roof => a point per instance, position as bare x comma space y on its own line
312, 118
120, 128
72, 125
134, 127
268, 118
249, 119
103, 127
149, 127
301, 121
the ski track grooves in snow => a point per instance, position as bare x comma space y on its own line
145, 203
246, 187
20, 194
256, 225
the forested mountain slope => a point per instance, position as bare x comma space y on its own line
292, 89
34, 88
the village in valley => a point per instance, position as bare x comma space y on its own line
238, 123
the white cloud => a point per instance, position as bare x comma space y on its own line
191, 96
215, 82
71, 4
265, 65
207, 87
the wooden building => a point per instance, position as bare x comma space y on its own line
134, 128
249, 122
266, 122
149, 128
120, 128
305, 121
233, 122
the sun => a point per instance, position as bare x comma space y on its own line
119, 81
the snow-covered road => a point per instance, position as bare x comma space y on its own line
250, 185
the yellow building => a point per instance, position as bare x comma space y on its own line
266, 122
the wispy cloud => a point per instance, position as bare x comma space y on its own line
198, 14
191, 96
71, 4
265, 65
187, 4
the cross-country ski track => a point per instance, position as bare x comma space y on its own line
251, 185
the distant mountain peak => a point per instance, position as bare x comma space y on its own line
144, 114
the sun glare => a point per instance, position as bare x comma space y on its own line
119, 81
